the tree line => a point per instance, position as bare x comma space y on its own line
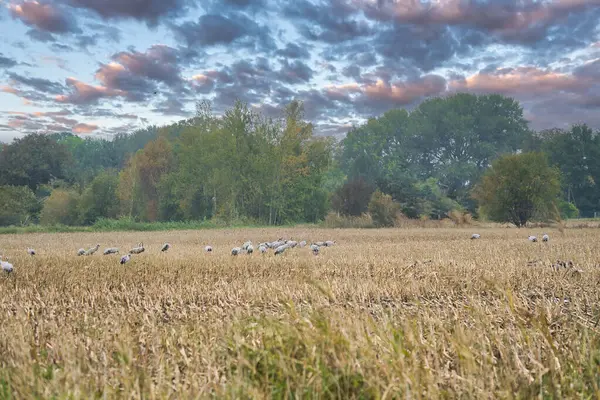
463, 153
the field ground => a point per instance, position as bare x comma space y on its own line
416, 313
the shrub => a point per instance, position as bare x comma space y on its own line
17, 205
567, 210
60, 208
383, 209
353, 197
332, 220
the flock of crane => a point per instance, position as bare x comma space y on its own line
279, 246
545, 237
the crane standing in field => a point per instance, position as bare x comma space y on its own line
165, 247
208, 249
138, 249
6, 266
111, 250
91, 251
30, 251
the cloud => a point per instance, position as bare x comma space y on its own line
295, 72
82, 93
6, 62
233, 29
138, 74
39, 84
84, 128
292, 50
523, 20
332, 21
150, 11
44, 17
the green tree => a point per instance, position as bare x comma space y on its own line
60, 208
576, 152
32, 161
519, 187
383, 209
99, 199
18, 205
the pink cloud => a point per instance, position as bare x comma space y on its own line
84, 128
86, 94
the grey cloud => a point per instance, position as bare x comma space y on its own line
234, 29
292, 50
150, 11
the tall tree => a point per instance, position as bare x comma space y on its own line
518, 187
33, 160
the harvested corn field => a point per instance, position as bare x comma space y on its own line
411, 313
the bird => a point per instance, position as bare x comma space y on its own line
315, 249
250, 249
475, 236
262, 248
280, 249
302, 243
532, 238
125, 258
320, 244
165, 247
31, 251
92, 250
292, 243
246, 245
276, 244
329, 243
81, 252
111, 250
235, 251
545, 238
138, 249
208, 249
6, 266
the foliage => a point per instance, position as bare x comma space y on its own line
60, 208
576, 152
518, 187
99, 199
451, 139
33, 160
383, 209
567, 210
18, 205
353, 197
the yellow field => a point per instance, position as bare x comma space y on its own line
417, 313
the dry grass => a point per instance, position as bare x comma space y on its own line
421, 313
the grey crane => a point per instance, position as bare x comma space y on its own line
6, 266
545, 238
81, 252
532, 238
138, 249
91, 251
208, 249
125, 258
30, 251
475, 236
165, 247
235, 251
111, 250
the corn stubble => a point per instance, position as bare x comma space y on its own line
415, 313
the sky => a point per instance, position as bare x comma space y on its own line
102, 67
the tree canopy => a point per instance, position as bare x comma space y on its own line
245, 166
519, 186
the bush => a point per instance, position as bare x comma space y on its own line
18, 204
60, 208
383, 209
567, 210
353, 197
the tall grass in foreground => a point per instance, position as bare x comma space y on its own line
421, 313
